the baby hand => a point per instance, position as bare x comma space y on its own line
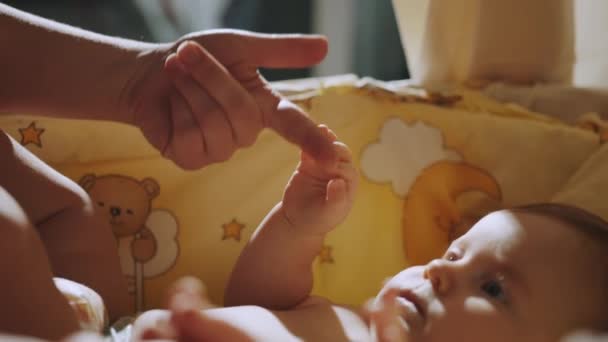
383, 316
319, 196
186, 319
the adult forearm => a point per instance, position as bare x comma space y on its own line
274, 270
52, 69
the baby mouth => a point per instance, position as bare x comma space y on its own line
115, 222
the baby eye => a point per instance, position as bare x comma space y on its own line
494, 289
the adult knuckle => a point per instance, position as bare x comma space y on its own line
237, 101
227, 155
247, 140
204, 68
250, 136
223, 154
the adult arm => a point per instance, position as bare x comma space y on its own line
195, 111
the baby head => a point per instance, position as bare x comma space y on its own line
531, 273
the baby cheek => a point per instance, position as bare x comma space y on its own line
478, 306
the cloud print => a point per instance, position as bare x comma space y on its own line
402, 152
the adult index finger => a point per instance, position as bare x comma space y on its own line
264, 50
289, 121
285, 51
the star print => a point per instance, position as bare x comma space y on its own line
31, 135
325, 256
232, 230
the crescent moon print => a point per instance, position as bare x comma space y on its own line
430, 211
431, 179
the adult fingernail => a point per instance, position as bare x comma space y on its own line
189, 53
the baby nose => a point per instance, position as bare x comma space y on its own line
438, 274
114, 211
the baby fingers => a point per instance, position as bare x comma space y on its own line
344, 167
383, 315
342, 152
341, 175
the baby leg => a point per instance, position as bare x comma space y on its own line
31, 304
79, 244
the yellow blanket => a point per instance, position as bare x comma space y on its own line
430, 163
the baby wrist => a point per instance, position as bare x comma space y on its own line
298, 230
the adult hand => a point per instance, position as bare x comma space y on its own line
201, 98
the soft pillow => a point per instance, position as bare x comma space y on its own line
430, 163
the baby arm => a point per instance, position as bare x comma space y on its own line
274, 269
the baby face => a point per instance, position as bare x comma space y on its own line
514, 276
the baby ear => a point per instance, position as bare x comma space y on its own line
151, 186
87, 181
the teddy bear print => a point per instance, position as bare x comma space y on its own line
126, 203
146, 238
